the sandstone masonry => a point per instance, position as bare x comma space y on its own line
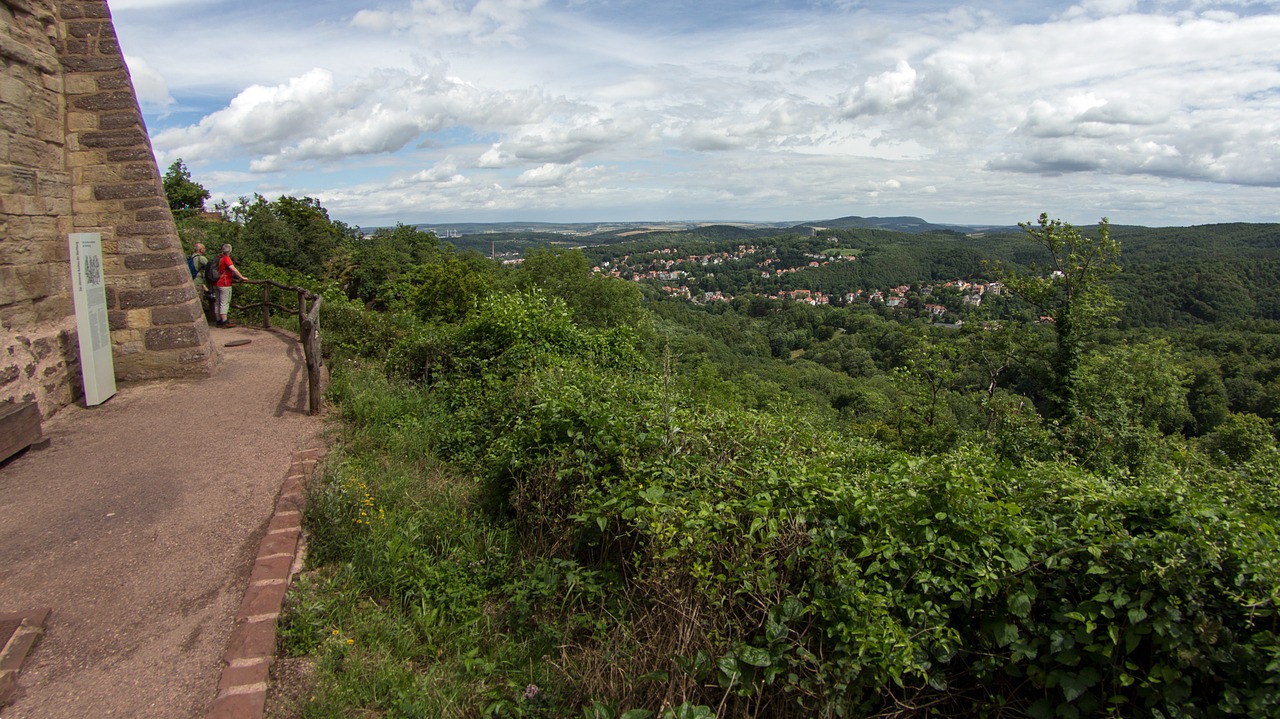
75, 157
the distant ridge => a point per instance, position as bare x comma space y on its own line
913, 225
905, 224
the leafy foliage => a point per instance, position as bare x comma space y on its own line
185, 195
559, 494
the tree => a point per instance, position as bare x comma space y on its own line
372, 263
1129, 397
1240, 438
1069, 292
291, 233
596, 301
185, 196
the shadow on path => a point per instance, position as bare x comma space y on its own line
138, 527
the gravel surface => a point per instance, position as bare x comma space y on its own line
138, 526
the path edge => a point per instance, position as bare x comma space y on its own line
251, 650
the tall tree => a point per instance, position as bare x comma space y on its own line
1068, 291
186, 197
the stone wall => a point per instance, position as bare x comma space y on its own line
75, 157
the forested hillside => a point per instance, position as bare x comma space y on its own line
561, 492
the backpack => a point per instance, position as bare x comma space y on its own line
211, 272
191, 265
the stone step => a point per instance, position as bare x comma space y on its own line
19, 632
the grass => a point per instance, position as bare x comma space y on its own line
398, 613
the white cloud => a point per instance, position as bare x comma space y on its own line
309, 118
488, 21
149, 85
543, 103
558, 144
126, 5
1101, 8
886, 92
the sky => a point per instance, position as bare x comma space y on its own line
1147, 112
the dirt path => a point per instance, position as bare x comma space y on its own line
138, 527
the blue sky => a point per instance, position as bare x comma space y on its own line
1155, 112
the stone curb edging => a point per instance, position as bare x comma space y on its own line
14, 652
242, 689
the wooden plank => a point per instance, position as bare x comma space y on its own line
19, 427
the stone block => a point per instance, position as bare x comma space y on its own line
21, 314
19, 428
118, 319
136, 299
114, 81
80, 84
250, 640
53, 83
197, 356
262, 599
140, 172
134, 154
122, 282
16, 180
92, 64
9, 290
125, 191
244, 673
54, 184
167, 241
138, 319
145, 202
173, 277
144, 228
155, 215
117, 120
87, 29
96, 10
30, 152
99, 174
26, 282
104, 101
238, 706
58, 206
269, 568
19, 251
153, 261
49, 129
127, 246
171, 338
110, 139
180, 314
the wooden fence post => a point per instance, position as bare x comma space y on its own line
310, 325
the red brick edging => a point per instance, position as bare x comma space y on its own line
242, 690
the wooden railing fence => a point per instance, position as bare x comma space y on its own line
308, 311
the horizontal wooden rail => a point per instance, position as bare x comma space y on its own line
308, 330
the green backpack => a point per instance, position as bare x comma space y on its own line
211, 272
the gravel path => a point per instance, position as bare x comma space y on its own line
138, 527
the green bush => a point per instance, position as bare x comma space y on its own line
675, 557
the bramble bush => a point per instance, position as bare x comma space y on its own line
664, 557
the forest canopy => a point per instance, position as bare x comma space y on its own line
850, 473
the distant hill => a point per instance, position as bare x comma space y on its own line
912, 225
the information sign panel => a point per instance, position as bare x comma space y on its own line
89, 290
